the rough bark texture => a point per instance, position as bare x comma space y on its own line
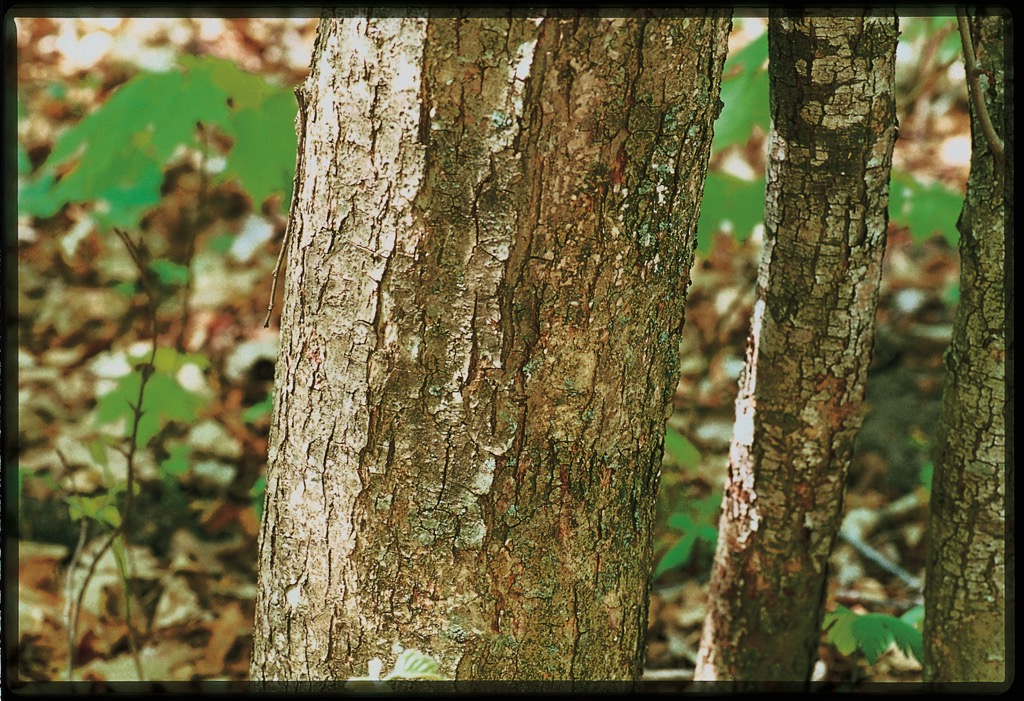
799, 406
491, 244
966, 602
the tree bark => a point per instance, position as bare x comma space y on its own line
800, 399
490, 249
966, 605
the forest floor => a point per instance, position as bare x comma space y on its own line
194, 536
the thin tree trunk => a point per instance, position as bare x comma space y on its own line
799, 406
966, 604
491, 244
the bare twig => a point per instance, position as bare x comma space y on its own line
853, 531
301, 99
851, 597
974, 71
71, 611
122, 531
277, 270
192, 224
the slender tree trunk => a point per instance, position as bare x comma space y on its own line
490, 249
966, 603
799, 406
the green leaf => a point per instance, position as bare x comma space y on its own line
118, 152
678, 555
126, 289
164, 400
925, 475
257, 492
244, 90
914, 617
24, 164
839, 625
873, 635
681, 450
114, 405
99, 508
259, 411
118, 160
745, 95
221, 243
709, 507
98, 450
263, 157
907, 638
170, 361
122, 147
915, 31
170, 273
109, 515
952, 294
728, 198
177, 463
35, 197
925, 209
170, 400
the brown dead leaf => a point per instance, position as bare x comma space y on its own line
164, 661
224, 631
178, 604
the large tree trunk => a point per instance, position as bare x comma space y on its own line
799, 406
965, 635
490, 249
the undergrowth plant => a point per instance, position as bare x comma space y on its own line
113, 162
872, 634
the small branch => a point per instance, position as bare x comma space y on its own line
974, 71
879, 559
851, 597
71, 611
300, 123
273, 285
192, 223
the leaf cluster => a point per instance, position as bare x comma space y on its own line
115, 157
874, 633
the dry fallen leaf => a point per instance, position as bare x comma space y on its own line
225, 630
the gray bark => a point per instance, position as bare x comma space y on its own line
800, 400
966, 600
490, 249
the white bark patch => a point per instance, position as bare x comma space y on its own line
484, 477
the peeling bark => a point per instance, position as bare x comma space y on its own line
966, 635
491, 246
800, 400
